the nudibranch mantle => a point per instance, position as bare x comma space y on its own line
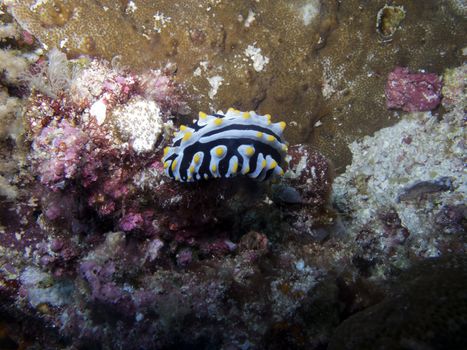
225, 145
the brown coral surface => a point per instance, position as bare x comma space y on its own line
304, 61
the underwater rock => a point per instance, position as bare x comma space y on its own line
42, 289
283, 193
412, 92
10, 109
452, 219
310, 174
58, 153
141, 262
401, 180
304, 193
424, 309
131, 221
306, 43
102, 130
131, 245
12, 66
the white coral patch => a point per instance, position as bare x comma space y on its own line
249, 20
131, 7
8, 31
259, 61
42, 289
140, 123
38, 3
215, 82
310, 11
99, 110
160, 21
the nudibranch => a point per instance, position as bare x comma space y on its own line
225, 145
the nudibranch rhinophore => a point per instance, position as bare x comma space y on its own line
227, 145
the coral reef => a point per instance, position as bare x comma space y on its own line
15, 56
455, 81
100, 250
13, 65
10, 108
100, 132
402, 184
59, 153
107, 231
304, 61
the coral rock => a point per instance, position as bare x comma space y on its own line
58, 153
310, 174
412, 92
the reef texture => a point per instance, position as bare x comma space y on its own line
100, 250
305, 61
404, 193
103, 247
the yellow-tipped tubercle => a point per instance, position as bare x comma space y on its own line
249, 151
187, 136
219, 151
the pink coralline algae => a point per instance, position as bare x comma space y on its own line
412, 92
100, 131
160, 88
131, 221
123, 245
58, 153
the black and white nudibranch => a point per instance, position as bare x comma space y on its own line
227, 145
